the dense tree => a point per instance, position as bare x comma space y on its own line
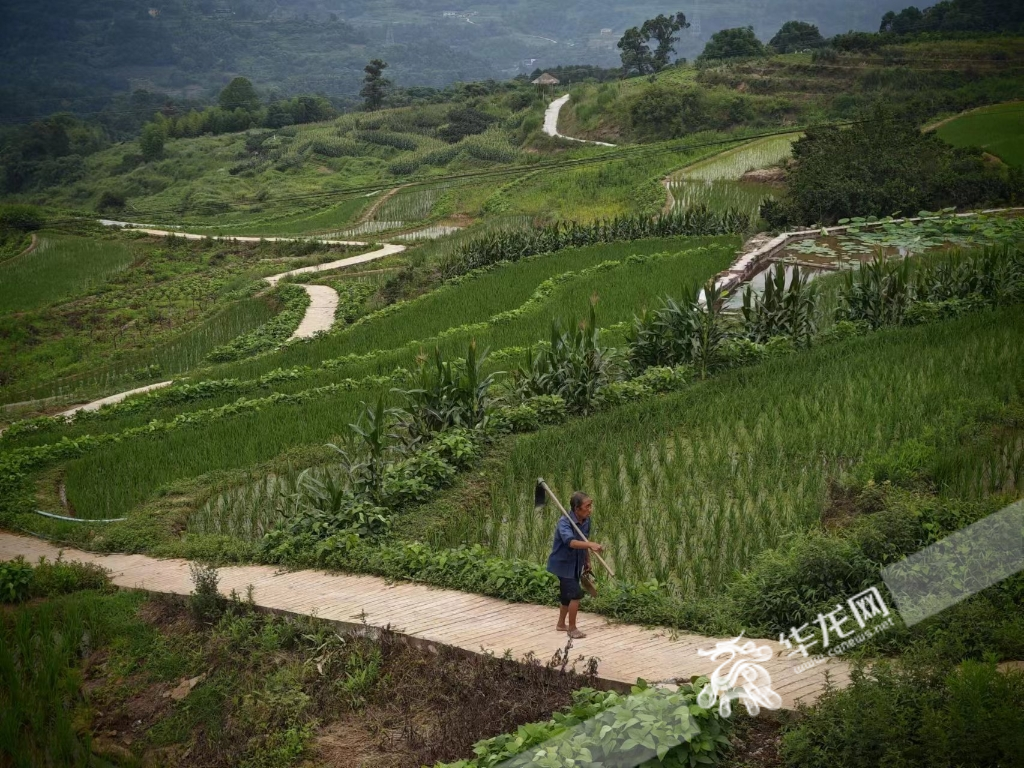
375, 85
662, 29
239, 94
151, 142
884, 166
46, 152
733, 43
636, 54
576, 73
796, 36
952, 16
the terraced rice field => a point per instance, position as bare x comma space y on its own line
715, 182
501, 290
998, 129
691, 487
732, 164
239, 442
61, 266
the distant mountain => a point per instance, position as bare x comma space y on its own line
75, 55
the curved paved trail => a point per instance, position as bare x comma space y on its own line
323, 300
551, 123
95, 405
239, 238
471, 622
380, 253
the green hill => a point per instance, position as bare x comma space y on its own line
192, 49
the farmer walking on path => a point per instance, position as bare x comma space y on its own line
570, 559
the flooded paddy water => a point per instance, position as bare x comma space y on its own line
820, 255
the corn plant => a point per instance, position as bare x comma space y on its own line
327, 504
880, 292
574, 366
447, 394
512, 245
371, 446
691, 332
781, 310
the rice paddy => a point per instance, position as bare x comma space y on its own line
732, 164
241, 441
476, 300
429, 233
175, 356
112, 481
61, 266
689, 488
719, 194
998, 129
249, 509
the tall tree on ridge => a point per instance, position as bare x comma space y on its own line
662, 28
636, 53
375, 85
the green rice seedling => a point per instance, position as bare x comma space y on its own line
428, 233
114, 479
996, 129
733, 163
61, 266
173, 357
41, 647
719, 194
483, 296
746, 465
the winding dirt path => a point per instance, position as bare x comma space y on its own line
551, 123
439, 616
370, 212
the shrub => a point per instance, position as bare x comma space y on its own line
825, 55
61, 578
787, 587
881, 166
911, 713
649, 727
110, 202
15, 580
20, 581
205, 601
24, 218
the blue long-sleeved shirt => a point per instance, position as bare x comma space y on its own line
565, 562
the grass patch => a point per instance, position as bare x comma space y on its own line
60, 266
998, 129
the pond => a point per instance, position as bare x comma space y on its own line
823, 254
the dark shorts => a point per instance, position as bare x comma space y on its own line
569, 590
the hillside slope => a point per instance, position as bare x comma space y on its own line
189, 49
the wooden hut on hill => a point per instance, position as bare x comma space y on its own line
546, 80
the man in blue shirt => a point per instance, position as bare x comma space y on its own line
570, 557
